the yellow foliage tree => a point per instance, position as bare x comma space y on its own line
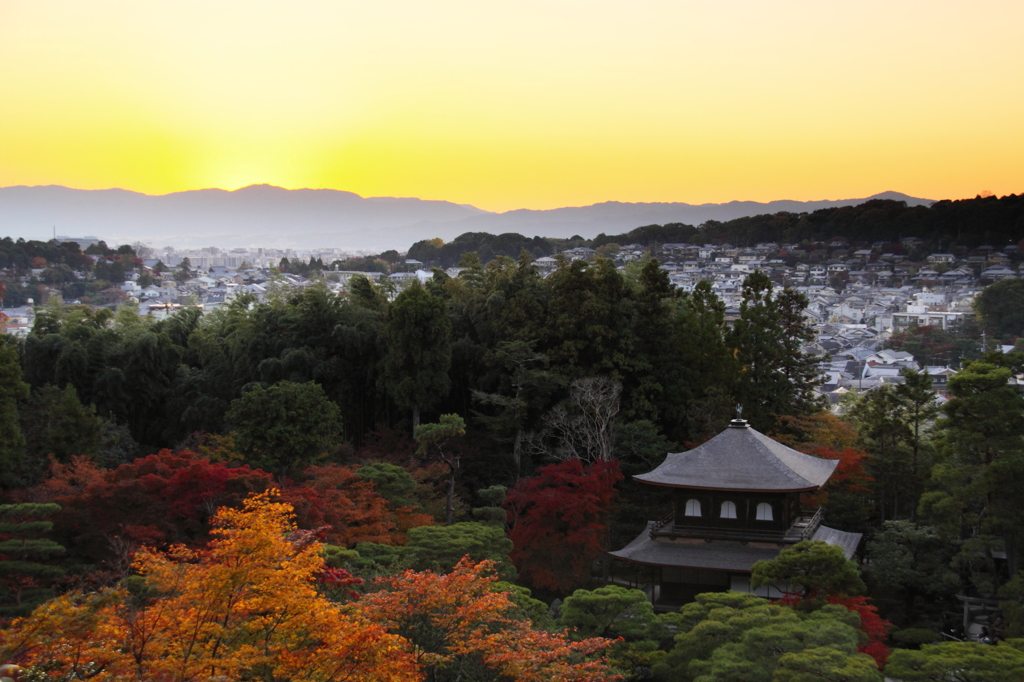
244, 608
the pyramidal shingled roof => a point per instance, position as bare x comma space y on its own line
741, 458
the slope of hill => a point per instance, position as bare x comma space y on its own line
263, 215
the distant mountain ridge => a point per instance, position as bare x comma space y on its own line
274, 217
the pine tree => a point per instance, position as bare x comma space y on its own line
22, 578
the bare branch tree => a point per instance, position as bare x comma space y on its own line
583, 427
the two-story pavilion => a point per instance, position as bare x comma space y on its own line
736, 500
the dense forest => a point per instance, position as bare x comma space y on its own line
353, 449
945, 225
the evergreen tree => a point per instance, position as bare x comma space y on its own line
708, 372
12, 442
433, 438
778, 377
981, 468
286, 427
56, 423
23, 579
419, 351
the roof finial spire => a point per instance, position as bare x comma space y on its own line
739, 422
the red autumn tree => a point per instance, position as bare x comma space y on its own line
336, 496
559, 522
849, 478
827, 436
168, 497
872, 625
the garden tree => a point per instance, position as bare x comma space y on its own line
419, 351
56, 423
440, 548
639, 447
433, 439
657, 303
882, 423
524, 297
286, 427
813, 573
311, 335
559, 522
737, 637
338, 497
1001, 309
457, 627
391, 481
12, 390
619, 612
974, 496
609, 611
23, 579
778, 377
245, 607
920, 407
811, 569
493, 513
582, 427
12, 442
847, 497
526, 384
958, 662
1011, 604
168, 497
702, 394
589, 326
136, 382
914, 560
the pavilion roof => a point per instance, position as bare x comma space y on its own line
741, 458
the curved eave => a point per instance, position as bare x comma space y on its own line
696, 565
733, 490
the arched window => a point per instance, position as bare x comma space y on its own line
693, 507
728, 510
764, 512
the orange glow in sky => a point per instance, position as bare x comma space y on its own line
511, 105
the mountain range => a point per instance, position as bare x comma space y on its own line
274, 217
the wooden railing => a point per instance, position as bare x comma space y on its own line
802, 529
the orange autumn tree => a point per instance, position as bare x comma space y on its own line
246, 607
458, 627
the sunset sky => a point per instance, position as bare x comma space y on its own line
518, 104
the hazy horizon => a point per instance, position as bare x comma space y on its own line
263, 215
538, 105
517, 208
